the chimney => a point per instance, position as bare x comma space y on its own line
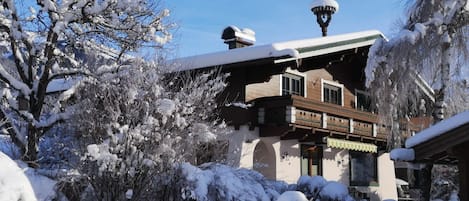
236, 38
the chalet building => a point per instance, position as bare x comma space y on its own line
304, 109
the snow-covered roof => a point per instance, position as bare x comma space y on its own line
280, 52
438, 129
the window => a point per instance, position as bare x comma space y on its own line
311, 160
363, 101
363, 169
292, 84
332, 94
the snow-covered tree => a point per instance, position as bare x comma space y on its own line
44, 40
137, 124
433, 45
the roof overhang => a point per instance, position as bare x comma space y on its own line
279, 52
442, 142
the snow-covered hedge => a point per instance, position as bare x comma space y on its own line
318, 188
213, 181
210, 181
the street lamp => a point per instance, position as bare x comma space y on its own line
323, 9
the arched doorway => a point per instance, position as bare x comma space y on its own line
264, 160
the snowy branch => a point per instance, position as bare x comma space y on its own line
53, 119
68, 39
13, 82
19, 140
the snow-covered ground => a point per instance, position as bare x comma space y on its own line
19, 182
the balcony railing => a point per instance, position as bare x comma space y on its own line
299, 111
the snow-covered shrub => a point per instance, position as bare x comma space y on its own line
214, 181
311, 186
292, 196
318, 188
136, 124
59, 149
334, 191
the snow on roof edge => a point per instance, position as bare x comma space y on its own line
231, 56
274, 50
438, 129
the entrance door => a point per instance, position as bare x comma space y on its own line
311, 160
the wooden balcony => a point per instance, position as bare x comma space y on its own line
285, 115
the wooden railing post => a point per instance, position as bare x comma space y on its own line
375, 130
291, 114
324, 120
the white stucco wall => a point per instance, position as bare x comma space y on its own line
241, 147
288, 160
335, 164
241, 153
387, 178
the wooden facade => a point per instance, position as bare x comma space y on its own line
307, 117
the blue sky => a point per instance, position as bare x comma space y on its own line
201, 22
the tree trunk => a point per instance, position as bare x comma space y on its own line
425, 183
30, 157
439, 112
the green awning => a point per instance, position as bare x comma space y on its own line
351, 145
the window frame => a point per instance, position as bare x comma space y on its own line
333, 84
357, 91
374, 181
320, 153
292, 74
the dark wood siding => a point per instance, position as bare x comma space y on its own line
258, 90
313, 86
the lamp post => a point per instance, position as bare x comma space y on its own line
323, 9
